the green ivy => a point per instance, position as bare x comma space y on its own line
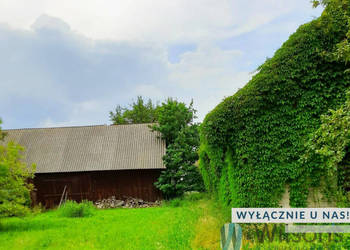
330, 144
252, 142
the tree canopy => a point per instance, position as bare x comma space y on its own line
140, 111
14, 186
335, 11
172, 117
175, 124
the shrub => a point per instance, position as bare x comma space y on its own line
37, 209
74, 209
176, 202
186, 199
194, 196
252, 142
14, 186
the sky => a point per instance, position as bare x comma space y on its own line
68, 63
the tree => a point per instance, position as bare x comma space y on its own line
172, 117
2, 134
175, 123
138, 112
14, 174
316, 3
14, 186
181, 174
337, 16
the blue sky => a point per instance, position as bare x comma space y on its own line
67, 63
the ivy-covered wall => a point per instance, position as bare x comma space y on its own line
252, 142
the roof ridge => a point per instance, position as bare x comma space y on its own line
81, 126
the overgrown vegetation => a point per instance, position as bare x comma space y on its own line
190, 225
140, 111
337, 10
328, 151
14, 181
73, 209
252, 142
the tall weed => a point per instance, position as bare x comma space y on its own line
73, 209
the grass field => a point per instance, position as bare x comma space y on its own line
190, 223
180, 224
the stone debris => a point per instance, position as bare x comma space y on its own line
127, 202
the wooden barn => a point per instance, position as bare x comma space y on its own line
92, 162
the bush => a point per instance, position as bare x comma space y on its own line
73, 209
14, 185
252, 142
177, 202
194, 196
187, 199
37, 209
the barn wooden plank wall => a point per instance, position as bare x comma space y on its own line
95, 185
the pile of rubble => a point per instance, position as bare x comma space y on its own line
128, 202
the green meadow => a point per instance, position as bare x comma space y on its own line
179, 224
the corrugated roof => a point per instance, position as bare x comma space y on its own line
90, 148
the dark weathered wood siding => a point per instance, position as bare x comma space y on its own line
96, 185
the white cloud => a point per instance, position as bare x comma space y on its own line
90, 112
74, 68
207, 65
208, 74
149, 91
51, 75
158, 20
49, 123
67, 79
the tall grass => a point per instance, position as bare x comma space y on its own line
73, 209
164, 227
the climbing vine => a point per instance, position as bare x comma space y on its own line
252, 142
330, 143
